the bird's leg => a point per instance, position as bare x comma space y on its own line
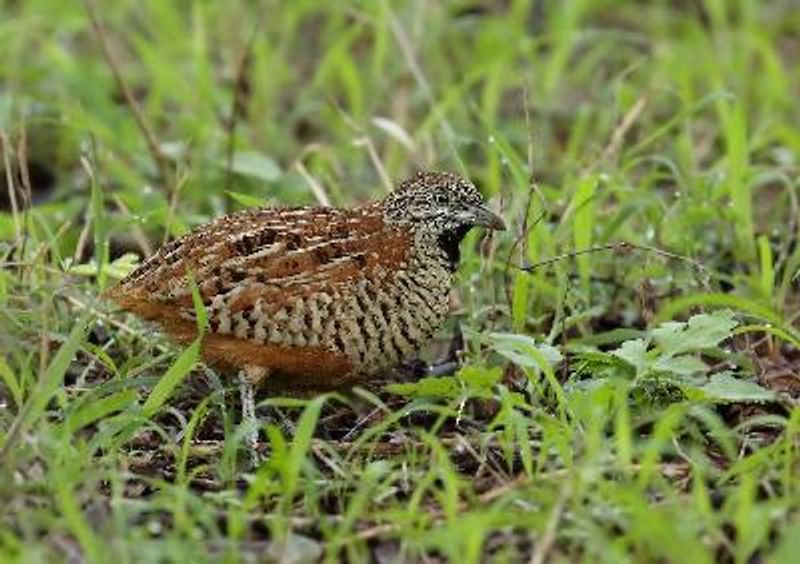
249, 377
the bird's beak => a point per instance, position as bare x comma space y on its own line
484, 217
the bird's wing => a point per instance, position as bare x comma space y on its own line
276, 255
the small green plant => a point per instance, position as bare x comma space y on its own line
688, 357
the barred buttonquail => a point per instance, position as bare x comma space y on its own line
314, 298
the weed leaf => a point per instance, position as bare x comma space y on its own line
702, 331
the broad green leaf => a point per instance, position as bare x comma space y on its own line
684, 365
518, 348
724, 387
634, 353
702, 331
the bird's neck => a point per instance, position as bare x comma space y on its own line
441, 248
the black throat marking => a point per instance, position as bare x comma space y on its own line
449, 242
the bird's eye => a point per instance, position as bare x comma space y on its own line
440, 199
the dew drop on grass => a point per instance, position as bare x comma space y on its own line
154, 527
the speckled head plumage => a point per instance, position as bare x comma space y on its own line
440, 208
439, 203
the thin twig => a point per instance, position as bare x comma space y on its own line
619, 247
25, 177
24, 171
159, 158
366, 141
83, 238
618, 135
10, 185
316, 188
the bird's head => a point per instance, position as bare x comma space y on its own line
440, 205
440, 202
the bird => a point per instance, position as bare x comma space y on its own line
310, 299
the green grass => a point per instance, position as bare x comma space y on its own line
584, 424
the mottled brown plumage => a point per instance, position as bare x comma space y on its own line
314, 298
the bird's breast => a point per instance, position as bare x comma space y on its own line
374, 322
378, 326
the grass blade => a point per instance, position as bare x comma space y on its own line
181, 368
